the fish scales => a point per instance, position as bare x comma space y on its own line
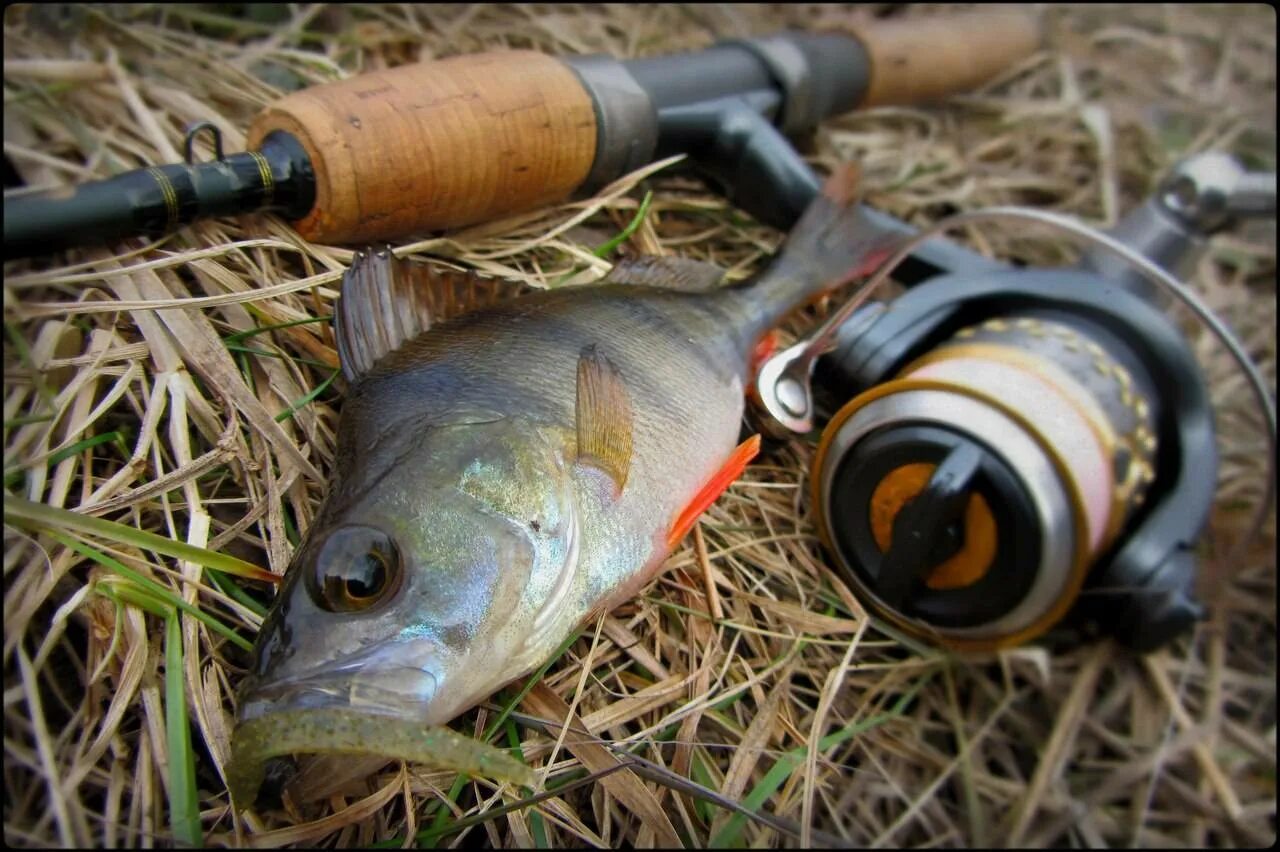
507, 473
683, 426
682, 429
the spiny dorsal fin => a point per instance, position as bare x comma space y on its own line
603, 416
672, 273
387, 301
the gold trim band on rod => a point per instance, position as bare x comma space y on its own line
170, 196
268, 181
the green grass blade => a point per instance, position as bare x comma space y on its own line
242, 361
263, 329
443, 821
47, 90
241, 28
24, 357
184, 799
30, 418
229, 588
630, 229
24, 513
80, 446
319, 389
728, 836
573, 780
537, 825
702, 775
528, 685
538, 828
605, 248
151, 586
67, 452
290, 529
125, 593
249, 350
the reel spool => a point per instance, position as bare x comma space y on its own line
970, 491
1026, 448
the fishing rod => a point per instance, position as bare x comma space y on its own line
389, 154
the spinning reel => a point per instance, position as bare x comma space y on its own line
1009, 450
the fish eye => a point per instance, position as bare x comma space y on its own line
357, 567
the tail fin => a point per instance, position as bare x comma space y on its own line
833, 244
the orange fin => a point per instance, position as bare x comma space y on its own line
764, 349
715, 486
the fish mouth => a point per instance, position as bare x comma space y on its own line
401, 680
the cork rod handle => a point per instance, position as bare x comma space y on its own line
922, 59
437, 144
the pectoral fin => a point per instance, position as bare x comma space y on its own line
603, 416
387, 301
671, 273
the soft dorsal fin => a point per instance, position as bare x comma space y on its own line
603, 416
386, 301
671, 273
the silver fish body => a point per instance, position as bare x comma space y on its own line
505, 474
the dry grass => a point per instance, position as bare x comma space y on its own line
745, 668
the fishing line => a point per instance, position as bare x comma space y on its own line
622, 744
520, 804
661, 775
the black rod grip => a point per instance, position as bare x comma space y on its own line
153, 201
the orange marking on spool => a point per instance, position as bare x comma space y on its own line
716, 485
963, 568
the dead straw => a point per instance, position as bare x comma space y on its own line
179, 389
